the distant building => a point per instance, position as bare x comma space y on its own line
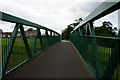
28, 34
7, 34
1, 32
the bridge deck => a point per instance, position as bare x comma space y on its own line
59, 61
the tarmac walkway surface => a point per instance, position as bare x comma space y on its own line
58, 61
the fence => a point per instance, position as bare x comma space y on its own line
19, 47
101, 54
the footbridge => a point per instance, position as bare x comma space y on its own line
42, 54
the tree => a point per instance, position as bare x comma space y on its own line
70, 27
106, 30
30, 29
107, 24
66, 32
77, 21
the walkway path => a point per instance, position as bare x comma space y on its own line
59, 61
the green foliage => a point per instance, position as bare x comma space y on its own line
105, 30
19, 52
67, 31
30, 29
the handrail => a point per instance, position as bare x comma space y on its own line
101, 54
31, 45
104, 9
13, 19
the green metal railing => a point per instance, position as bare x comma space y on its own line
16, 49
101, 54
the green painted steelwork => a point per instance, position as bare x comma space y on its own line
35, 41
104, 9
24, 47
100, 53
40, 38
9, 48
13, 19
25, 41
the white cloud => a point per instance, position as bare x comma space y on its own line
5, 26
54, 14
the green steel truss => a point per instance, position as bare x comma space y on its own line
40, 42
101, 54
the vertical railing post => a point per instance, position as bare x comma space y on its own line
60, 37
113, 59
78, 40
40, 38
35, 42
47, 39
25, 41
118, 53
10, 47
51, 38
76, 35
51, 33
80, 32
46, 32
54, 34
76, 32
119, 34
95, 50
81, 39
85, 45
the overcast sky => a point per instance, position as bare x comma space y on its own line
54, 14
